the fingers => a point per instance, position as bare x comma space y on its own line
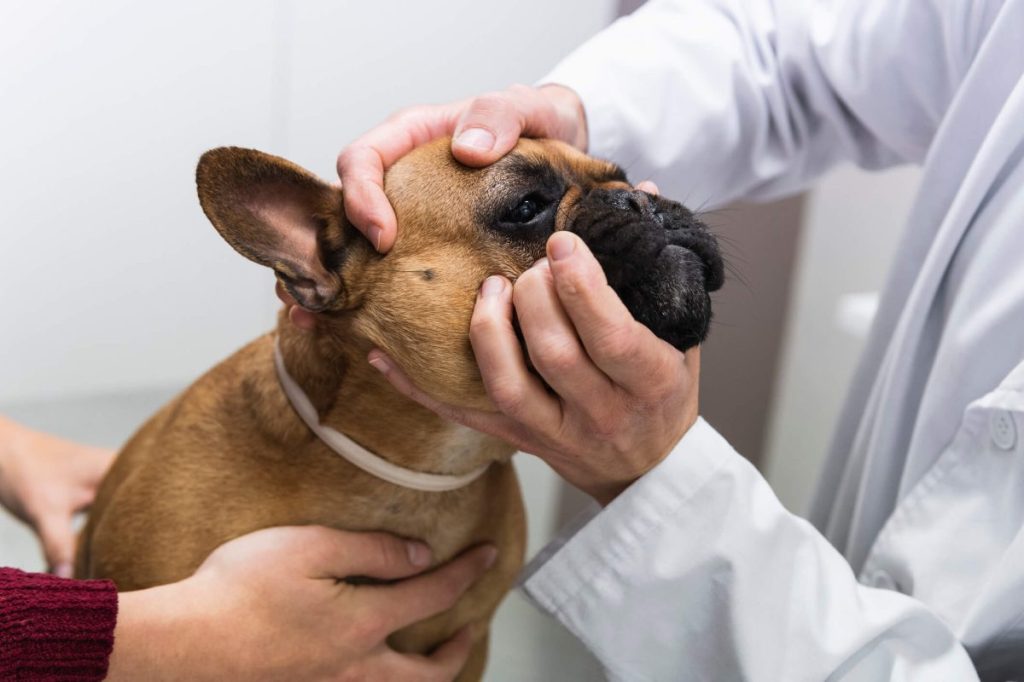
362, 164
416, 599
58, 540
444, 664
551, 340
449, 658
492, 124
297, 315
647, 186
339, 554
488, 422
629, 353
510, 386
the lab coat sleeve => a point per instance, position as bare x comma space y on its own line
697, 572
724, 99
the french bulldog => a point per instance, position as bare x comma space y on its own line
237, 451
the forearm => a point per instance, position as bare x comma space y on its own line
52, 628
724, 99
697, 567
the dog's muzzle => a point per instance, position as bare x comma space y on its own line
661, 261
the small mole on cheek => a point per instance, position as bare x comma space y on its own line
428, 275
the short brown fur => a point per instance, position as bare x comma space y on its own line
229, 455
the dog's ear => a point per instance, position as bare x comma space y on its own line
279, 215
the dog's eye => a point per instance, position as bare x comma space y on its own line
525, 211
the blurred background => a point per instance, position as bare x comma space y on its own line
117, 292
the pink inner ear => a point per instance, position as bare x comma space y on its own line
287, 214
294, 232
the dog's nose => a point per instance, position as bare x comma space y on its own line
634, 200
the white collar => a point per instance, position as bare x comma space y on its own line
357, 454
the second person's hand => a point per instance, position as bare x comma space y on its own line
272, 605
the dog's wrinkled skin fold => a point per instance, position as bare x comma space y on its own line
229, 455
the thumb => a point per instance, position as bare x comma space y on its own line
492, 124
58, 540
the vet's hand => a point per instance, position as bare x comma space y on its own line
622, 398
44, 481
483, 130
270, 606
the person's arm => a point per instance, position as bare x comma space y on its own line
698, 572
273, 605
725, 99
713, 99
45, 481
269, 605
694, 570
52, 628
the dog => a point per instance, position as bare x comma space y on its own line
251, 444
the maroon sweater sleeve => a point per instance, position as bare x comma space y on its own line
55, 629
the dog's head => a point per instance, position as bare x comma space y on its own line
458, 225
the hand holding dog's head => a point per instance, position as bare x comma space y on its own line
457, 226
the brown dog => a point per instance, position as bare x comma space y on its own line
231, 455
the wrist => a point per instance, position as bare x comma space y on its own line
570, 111
606, 489
152, 637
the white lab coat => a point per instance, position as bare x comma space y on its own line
913, 568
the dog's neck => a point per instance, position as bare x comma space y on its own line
354, 399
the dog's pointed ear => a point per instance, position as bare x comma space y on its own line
279, 215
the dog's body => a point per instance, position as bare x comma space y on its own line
230, 455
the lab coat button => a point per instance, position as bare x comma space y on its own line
1003, 430
882, 580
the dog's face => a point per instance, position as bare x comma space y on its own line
457, 226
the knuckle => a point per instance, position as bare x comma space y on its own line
616, 344
604, 423
388, 551
481, 325
351, 161
556, 355
489, 104
507, 395
573, 282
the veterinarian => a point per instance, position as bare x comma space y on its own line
912, 565
265, 606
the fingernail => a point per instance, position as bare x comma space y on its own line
63, 570
476, 138
492, 286
490, 555
561, 245
374, 234
379, 362
419, 554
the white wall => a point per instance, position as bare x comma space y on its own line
111, 278
852, 222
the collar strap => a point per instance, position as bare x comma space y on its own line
355, 453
